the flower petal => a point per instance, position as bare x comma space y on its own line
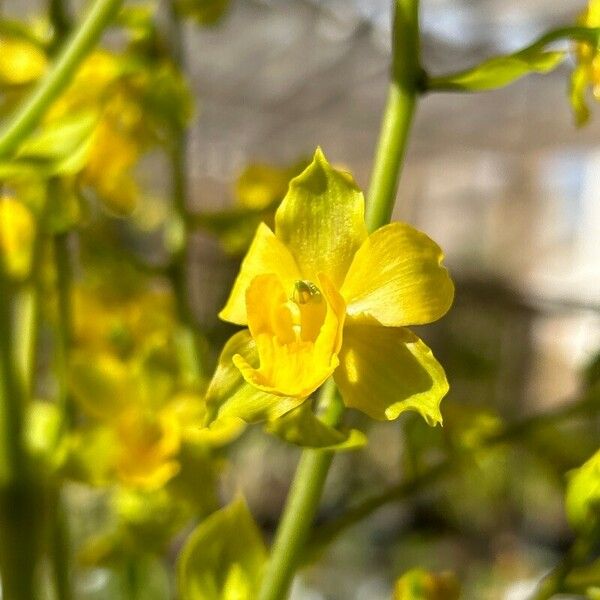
321, 220
384, 371
230, 396
265, 255
290, 364
396, 277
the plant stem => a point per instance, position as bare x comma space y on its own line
307, 486
302, 503
398, 116
77, 47
178, 269
18, 543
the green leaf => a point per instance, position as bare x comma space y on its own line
230, 395
583, 495
223, 558
499, 72
302, 428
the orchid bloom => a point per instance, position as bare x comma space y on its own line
321, 297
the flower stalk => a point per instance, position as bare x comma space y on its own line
309, 480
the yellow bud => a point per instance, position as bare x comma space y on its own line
20, 62
17, 232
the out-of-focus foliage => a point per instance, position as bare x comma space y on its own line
204, 12
258, 191
223, 558
583, 495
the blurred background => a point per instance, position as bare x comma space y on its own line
509, 188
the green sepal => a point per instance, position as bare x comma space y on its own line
230, 395
302, 427
223, 558
321, 220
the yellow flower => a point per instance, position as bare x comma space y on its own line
149, 445
587, 72
418, 584
320, 297
17, 232
21, 62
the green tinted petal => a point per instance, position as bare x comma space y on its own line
321, 220
223, 558
230, 396
384, 371
302, 428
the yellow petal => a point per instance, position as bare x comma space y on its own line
297, 341
17, 233
384, 371
265, 255
21, 62
396, 277
230, 396
321, 220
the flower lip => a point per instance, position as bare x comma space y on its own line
298, 335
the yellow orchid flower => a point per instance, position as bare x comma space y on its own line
587, 72
321, 297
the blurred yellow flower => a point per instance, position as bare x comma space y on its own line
149, 443
118, 138
587, 72
21, 62
418, 584
17, 232
126, 374
320, 296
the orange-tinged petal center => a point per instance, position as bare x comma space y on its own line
298, 335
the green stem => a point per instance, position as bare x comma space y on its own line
178, 270
301, 507
307, 486
18, 543
64, 326
75, 50
398, 116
